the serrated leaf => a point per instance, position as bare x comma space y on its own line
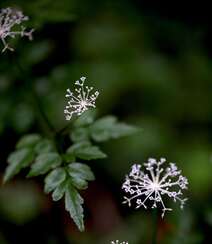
73, 204
44, 162
106, 121
59, 191
79, 134
122, 129
80, 174
86, 118
79, 183
81, 170
101, 130
78, 146
89, 153
44, 146
108, 128
54, 179
18, 160
28, 141
85, 150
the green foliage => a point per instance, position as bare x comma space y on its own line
54, 179
17, 161
73, 204
80, 174
80, 134
108, 128
86, 151
150, 69
65, 176
44, 162
85, 119
44, 146
65, 181
101, 130
28, 141
59, 191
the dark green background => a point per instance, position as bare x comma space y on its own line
152, 66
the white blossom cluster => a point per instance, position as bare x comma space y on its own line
117, 242
81, 101
10, 26
153, 183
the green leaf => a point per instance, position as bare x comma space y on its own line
18, 160
79, 183
105, 122
102, 129
44, 146
44, 162
73, 204
108, 128
86, 118
28, 141
59, 191
79, 134
72, 149
80, 173
86, 151
81, 170
122, 129
53, 179
89, 153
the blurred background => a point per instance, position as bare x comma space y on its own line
153, 68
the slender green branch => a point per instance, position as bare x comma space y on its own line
27, 80
64, 129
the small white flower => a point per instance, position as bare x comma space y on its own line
81, 101
117, 242
10, 18
153, 183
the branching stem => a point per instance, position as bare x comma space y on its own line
36, 98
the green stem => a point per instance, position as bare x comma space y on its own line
38, 103
66, 127
155, 226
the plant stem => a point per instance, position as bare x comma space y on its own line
27, 80
155, 226
63, 130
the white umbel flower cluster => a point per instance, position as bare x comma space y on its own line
81, 101
117, 242
154, 183
10, 26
